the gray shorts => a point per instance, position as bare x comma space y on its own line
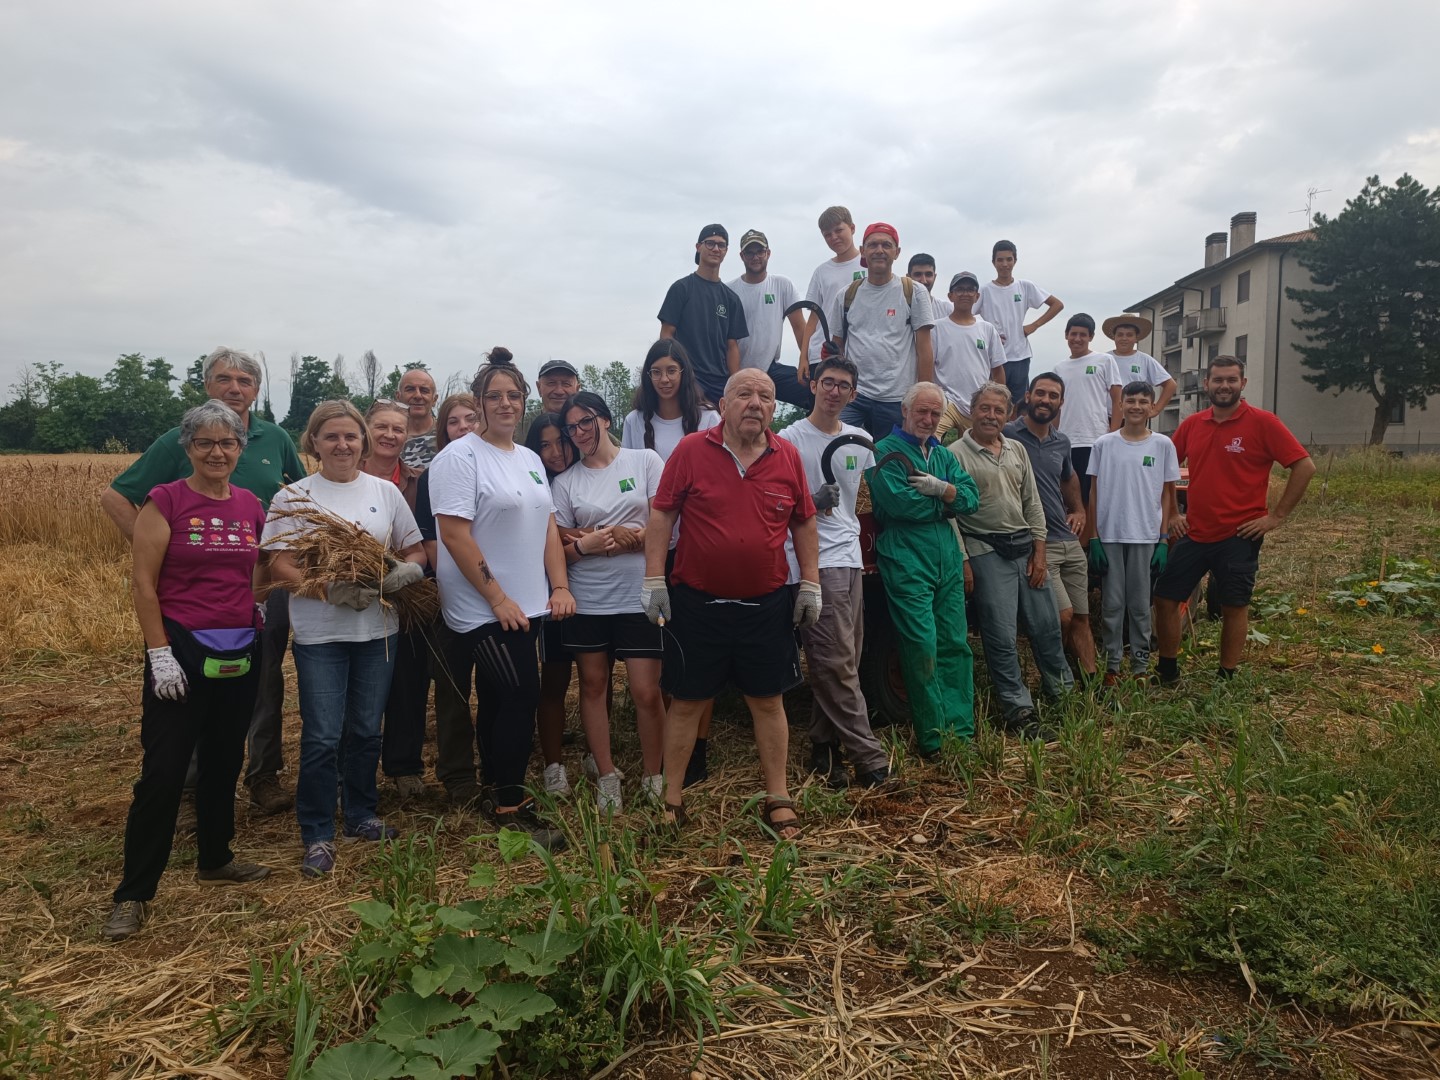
1069, 575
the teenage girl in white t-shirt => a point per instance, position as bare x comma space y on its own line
501, 569
669, 403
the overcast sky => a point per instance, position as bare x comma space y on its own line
431, 179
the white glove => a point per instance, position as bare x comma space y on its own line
351, 594
655, 599
929, 485
401, 575
807, 605
260, 614
167, 677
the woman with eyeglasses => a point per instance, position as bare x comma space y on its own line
608, 494
195, 551
501, 570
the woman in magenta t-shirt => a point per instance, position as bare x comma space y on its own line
196, 544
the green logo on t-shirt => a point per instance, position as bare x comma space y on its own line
1090, 369
979, 343
851, 461
535, 476
628, 484
769, 298
1134, 369
858, 275
1147, 461
1017, 298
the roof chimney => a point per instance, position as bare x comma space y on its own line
1214, 248
1242, 231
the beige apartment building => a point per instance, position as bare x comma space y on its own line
1236, 304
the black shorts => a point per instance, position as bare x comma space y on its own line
552, 647
630, 636
709, 642
1233, 562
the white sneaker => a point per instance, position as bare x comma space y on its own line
590, 769
652, 788
607, 792
556, 782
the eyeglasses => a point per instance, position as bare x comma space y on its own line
206, 445
585, 423
495, 397
836, 384
658, 373
714, 245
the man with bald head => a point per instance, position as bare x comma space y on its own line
417, 394
922, 567
738, 492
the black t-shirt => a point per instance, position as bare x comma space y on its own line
706, 315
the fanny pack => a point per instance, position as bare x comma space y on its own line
215, 654
1016, 545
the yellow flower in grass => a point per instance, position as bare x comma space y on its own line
1372, 584
1302, 611
1378, 649
1362, 602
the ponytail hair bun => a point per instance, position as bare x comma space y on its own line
500, 357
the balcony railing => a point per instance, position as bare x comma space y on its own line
1172, 336
1205, 322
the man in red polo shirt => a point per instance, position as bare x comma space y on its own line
1229, 448
738, 492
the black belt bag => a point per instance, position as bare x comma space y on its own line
1016, 545
214, 654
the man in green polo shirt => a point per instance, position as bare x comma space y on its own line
267, 464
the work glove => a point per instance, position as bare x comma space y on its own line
929, 485
259, 615
807, 605
401, 575
1161, 558
827, 497
167, 677
655, 599
829, 350
1099, 561
351, 594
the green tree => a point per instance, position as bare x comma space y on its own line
616, 384
74, 415
312, 381
18, 416
1373, 318
137, 404
192, 387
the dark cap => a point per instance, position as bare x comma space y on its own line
963, 275
754, 236
707, 232
550, 367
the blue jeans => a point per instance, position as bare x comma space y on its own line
1017, 379
343, 689
1002, 596
876, 417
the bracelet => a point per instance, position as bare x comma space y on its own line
557, 588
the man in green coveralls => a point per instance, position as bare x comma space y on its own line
923, 568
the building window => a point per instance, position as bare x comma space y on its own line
1242, 288
1242, 346
1211, 352
1214, 296
1397, 413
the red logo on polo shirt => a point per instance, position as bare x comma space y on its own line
1235, 446
891, 312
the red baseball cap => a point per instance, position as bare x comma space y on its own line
880, 227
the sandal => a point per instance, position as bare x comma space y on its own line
788, 829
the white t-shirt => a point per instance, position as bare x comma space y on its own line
376, 506
829, 281
764, 306
504, 496
941, 306
840, 529
1085, 416
882, 335
668, 433
618, 494
1131, 479
1141, 365
964, 357
1006, 307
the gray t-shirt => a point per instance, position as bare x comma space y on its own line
1050, 462
881, 332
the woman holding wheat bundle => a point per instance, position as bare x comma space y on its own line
501, 570
196, 546
345, 634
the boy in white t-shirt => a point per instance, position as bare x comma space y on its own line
766, 297
1126, 331
1133, 473
1005, 303
1092, 395
968, 353
831, 278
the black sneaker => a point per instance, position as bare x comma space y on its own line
874, 778
524, 818
697, 770
1024, 724
827, 763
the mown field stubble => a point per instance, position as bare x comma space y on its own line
1215, 881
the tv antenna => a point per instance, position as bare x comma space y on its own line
1309, 206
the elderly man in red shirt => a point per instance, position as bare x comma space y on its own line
1229, 448
738, 492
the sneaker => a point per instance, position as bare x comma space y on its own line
1112, 678
410, 787
590, 769
233, 873
126, 918
526, 820
607, 793
319, 859
1025, 725
185, 821
464, 796
652, 788
267, 797
827, 763
874, 778
556, 782
372, 829
697, 770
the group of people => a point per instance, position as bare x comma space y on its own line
700, 549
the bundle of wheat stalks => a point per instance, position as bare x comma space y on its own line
328, 548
